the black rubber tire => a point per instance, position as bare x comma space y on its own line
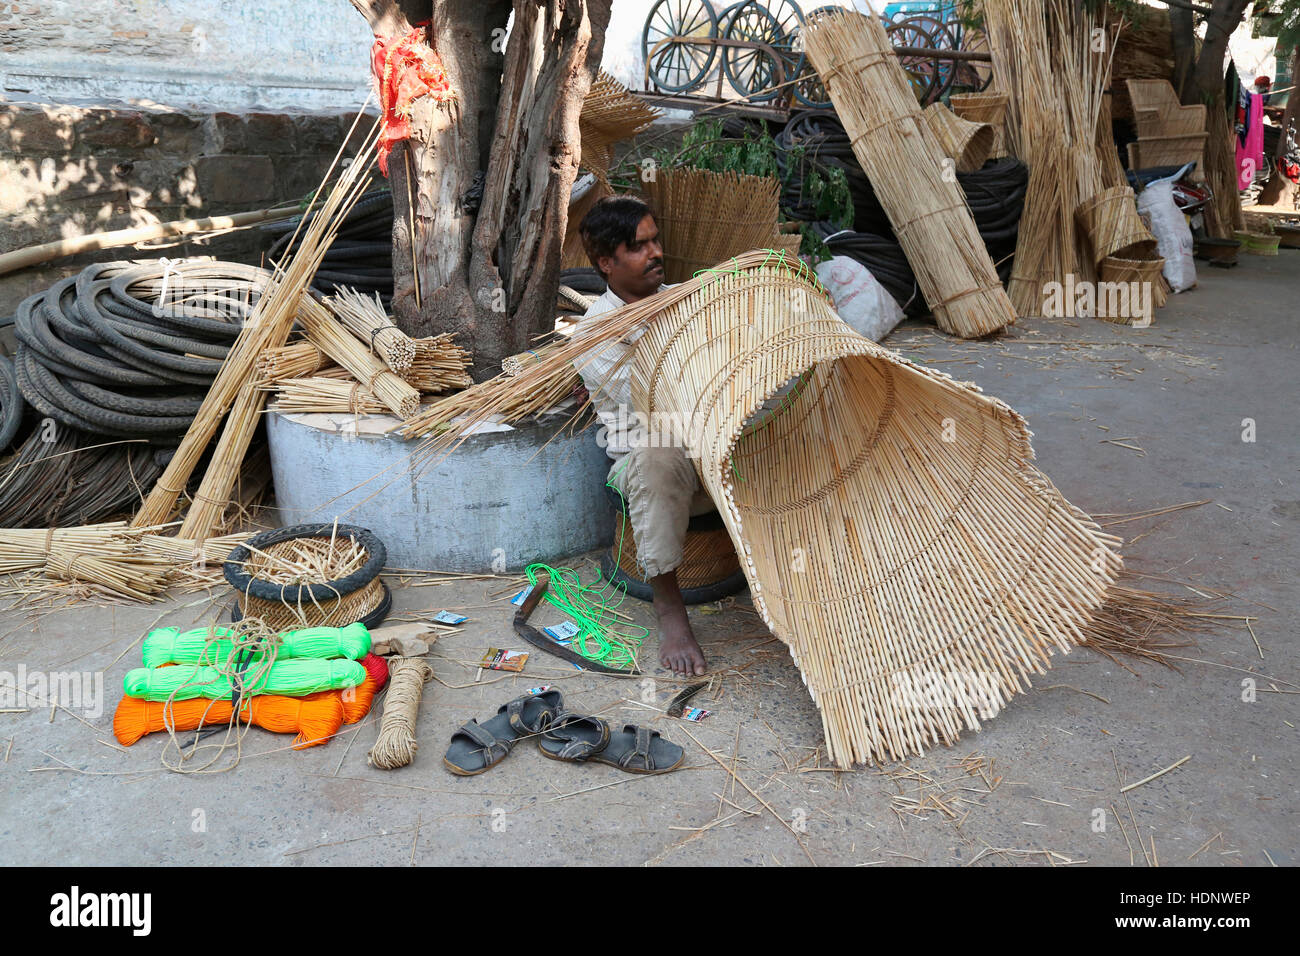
12, 399
244, 583
370, 621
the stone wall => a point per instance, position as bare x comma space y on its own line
66, 171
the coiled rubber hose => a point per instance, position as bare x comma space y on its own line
129, 350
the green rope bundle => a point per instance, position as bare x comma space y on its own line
213, 646
601, 636
292, 678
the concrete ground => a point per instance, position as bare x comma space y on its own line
1125, 421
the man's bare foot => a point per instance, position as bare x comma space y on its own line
678, 649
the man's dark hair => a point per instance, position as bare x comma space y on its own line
610, 222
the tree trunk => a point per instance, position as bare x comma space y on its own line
1207, 86
487, 268
1182, 39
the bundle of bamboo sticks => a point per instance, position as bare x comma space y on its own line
235, 389
501, 398
114, 558
1045, 56
322, 394
327, 334
902, 158
439, 364
295, 360
368, 321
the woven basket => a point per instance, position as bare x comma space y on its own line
705, 217
988, 108
1111, 221
1168, 151
1145, 272
1257, 243
890, 522
335, 604
967, 144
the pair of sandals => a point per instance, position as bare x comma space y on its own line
561, 735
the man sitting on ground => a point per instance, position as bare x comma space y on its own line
659, 485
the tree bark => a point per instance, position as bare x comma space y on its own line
488, 268
1207, 86
1182, 39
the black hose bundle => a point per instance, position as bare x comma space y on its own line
361, 257
585, 280
11, 404
129, 349
884, 259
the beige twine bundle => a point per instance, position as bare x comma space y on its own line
396, 746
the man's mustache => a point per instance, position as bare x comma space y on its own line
654, 264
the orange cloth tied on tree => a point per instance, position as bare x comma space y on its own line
405, 70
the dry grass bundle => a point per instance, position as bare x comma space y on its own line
901, 157
267, 328
966, 143
1138, 623
366, 319
1223, 214
112, 558
324, 395
290, 361
987, 107
704, 217
327, 334
918, 575
439, 364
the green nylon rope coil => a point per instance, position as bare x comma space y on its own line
213, 646
292, 678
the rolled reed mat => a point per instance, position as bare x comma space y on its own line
903, 159
396, 746
891, 524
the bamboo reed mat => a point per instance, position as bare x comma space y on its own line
891, 524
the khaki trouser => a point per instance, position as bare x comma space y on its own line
662, 492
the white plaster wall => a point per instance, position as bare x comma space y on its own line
219, 54
213, 53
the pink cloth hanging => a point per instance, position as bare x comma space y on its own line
1250, 156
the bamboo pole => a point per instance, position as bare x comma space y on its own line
34, 255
